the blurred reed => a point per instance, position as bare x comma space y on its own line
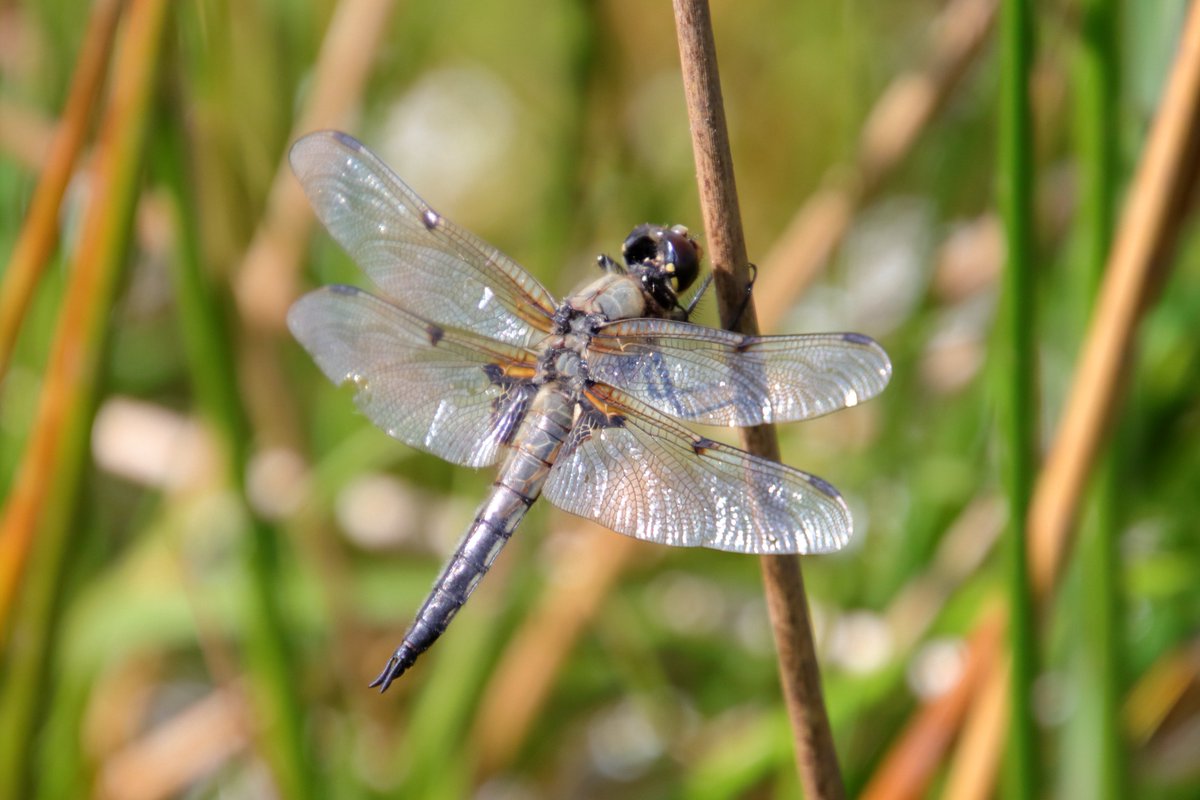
1098, 79
1146, 233
1016, 378
39, 234
46, 491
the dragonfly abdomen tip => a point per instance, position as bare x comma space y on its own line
397, 665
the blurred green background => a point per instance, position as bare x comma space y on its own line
225, 552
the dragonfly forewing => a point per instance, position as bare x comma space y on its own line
416, 257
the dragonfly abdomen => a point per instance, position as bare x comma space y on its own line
489, 532
519, 483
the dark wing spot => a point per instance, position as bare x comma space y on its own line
858, 338
341, 288
348, 140
430, 218
435, 333
700, 445
824, 486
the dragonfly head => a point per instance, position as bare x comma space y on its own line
668, 259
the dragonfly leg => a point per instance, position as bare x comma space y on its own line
607, 264
695, 299
737, 318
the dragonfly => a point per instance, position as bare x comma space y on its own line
460, 352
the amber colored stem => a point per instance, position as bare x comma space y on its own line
1159, 199
40, 231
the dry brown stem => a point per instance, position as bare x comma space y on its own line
1158, 202
784, 585
976, 761
178, 751
908, 766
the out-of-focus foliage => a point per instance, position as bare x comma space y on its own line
550, 129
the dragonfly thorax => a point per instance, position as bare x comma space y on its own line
562, 361
610, 297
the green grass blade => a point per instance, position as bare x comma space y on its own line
1099, 71
1018, 375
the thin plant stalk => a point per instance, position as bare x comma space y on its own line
46, 491
907, 770
267, 280
1098, 83
784, 584
1017, 375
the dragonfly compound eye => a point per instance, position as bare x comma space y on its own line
672, 252
642, 244
681, 255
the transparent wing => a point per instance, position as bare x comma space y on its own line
418, 259
717, 377
440, 390
633, 470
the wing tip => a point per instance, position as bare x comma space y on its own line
825, 487
885, 365
836, 536
296, 320
295, 316
298, 153
346, 139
